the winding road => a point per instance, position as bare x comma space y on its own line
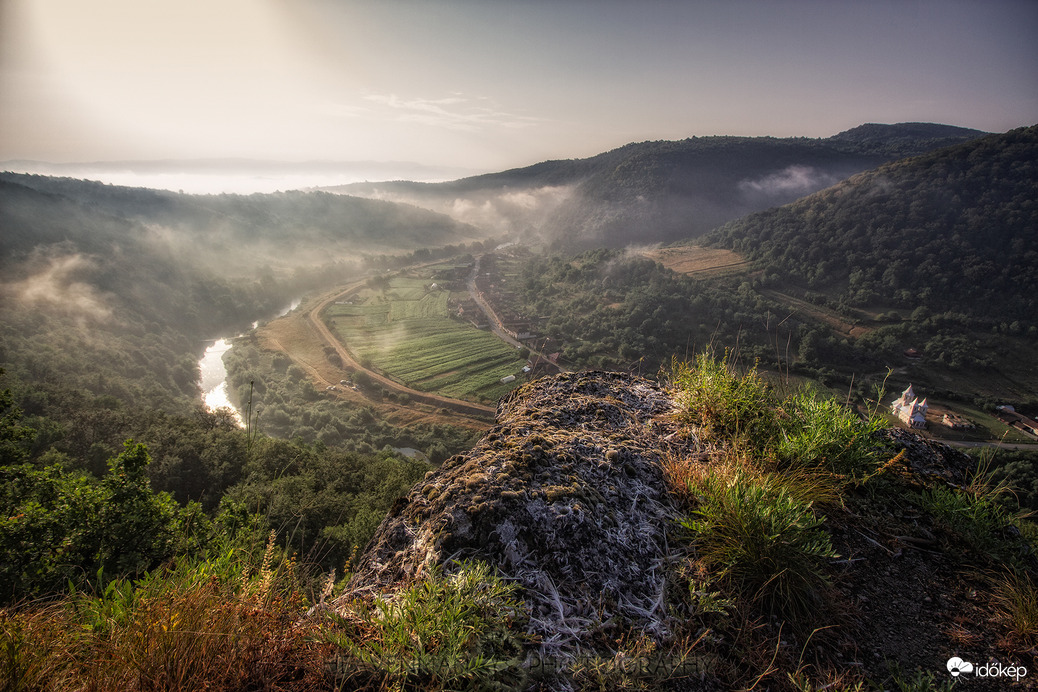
312, 316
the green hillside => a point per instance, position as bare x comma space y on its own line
664, 190
954, 230
254, 229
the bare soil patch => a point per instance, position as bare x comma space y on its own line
834, 320
699, 261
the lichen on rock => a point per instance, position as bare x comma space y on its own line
565, 496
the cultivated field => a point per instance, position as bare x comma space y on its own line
406, 333
698, 261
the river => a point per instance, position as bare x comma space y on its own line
214, 373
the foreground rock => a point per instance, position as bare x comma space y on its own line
565, 496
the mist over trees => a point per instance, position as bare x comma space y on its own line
663, 191
952, 231
109, 295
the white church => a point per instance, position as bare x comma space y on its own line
909, 409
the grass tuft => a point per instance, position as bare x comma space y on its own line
723, 403
1016, 596
764, 540
453, 631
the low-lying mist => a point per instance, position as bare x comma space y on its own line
796, 180
61, 283
511, 212
233, 176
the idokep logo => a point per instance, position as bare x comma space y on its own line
956, 666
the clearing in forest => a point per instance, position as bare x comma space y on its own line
698, 261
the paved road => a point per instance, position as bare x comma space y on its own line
1019, 446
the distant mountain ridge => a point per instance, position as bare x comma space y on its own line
260, 224
663, 191
905, 139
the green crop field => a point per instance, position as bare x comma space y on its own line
406, 333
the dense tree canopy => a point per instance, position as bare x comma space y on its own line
954, 230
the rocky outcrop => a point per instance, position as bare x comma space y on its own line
928, 459
564, 495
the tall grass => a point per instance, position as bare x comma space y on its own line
982, 516
751, 509
803, 430
723, 404
822, 434
750, 530
222, 624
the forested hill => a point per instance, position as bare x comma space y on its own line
956, 229
664, 190
904, 139
107, 294
266, 227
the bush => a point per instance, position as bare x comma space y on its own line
59, 526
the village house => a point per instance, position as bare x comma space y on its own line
909, 410
1009, 416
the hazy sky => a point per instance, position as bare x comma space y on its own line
495, 83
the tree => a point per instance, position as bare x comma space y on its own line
13, 435
58, 526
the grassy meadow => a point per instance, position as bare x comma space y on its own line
405, 331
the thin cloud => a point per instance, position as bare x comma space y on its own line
455, 112
342, 110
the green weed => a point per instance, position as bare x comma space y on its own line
976, 520
755, 533
723, 403
445, 632
916, 681
821, 433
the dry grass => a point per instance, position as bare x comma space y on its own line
1016, 597
698, 261
205, 625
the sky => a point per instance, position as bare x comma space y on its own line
492, 84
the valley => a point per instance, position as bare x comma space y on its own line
430, 353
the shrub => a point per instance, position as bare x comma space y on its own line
58, 526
